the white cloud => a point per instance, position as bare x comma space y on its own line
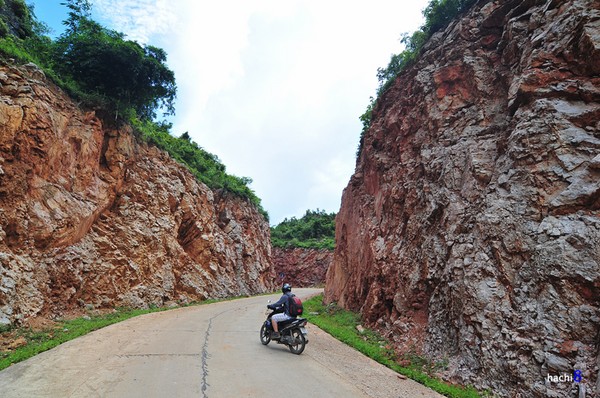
139, 19
274, 88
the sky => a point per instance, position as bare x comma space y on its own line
274, 88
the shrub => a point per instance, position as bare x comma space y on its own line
89, 54
3, 28
19, 8
205, 166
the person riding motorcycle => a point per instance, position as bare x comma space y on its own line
282, 304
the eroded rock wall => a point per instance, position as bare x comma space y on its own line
470, 230
301, 267
90, 217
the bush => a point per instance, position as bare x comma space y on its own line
19, 8
89, 54
3, 28
205, 166
11, 47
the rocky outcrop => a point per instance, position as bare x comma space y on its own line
301, 267
470, 230
91, 217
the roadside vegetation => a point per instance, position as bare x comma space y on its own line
438, 15
315, 230
23, 343
20, 343
344, 326
83, 60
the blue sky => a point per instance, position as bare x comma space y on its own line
51, 12
273, 88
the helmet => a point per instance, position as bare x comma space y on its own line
286, 288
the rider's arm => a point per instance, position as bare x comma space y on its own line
278, 304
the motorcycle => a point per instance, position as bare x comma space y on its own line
292, 332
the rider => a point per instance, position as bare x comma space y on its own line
285, 314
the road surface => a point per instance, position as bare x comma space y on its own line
208, 351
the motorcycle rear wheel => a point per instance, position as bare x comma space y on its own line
298, 342
265, 335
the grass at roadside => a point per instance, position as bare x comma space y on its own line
342, 325
28, 342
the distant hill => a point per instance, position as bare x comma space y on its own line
315, 230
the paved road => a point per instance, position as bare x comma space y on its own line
205, 351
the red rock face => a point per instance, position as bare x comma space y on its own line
471, 230
91, 217
301, 267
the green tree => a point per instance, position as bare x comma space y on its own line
101, 69
80, 13
122, 72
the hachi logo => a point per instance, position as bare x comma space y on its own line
576, 377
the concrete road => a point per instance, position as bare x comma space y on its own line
205, 351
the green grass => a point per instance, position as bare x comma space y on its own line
61, 332
38, 341
341, 324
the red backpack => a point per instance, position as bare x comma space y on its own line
295, 306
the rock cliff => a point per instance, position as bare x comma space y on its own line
470, 230
90, 217
301, 267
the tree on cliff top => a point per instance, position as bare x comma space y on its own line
102, 70
438, 14
316, 230
95, 65
101, 61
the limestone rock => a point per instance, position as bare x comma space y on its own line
471, 229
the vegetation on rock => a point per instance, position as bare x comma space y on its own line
204, 165
83, 61
315, 230
438, 14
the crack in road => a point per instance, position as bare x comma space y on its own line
205, 355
